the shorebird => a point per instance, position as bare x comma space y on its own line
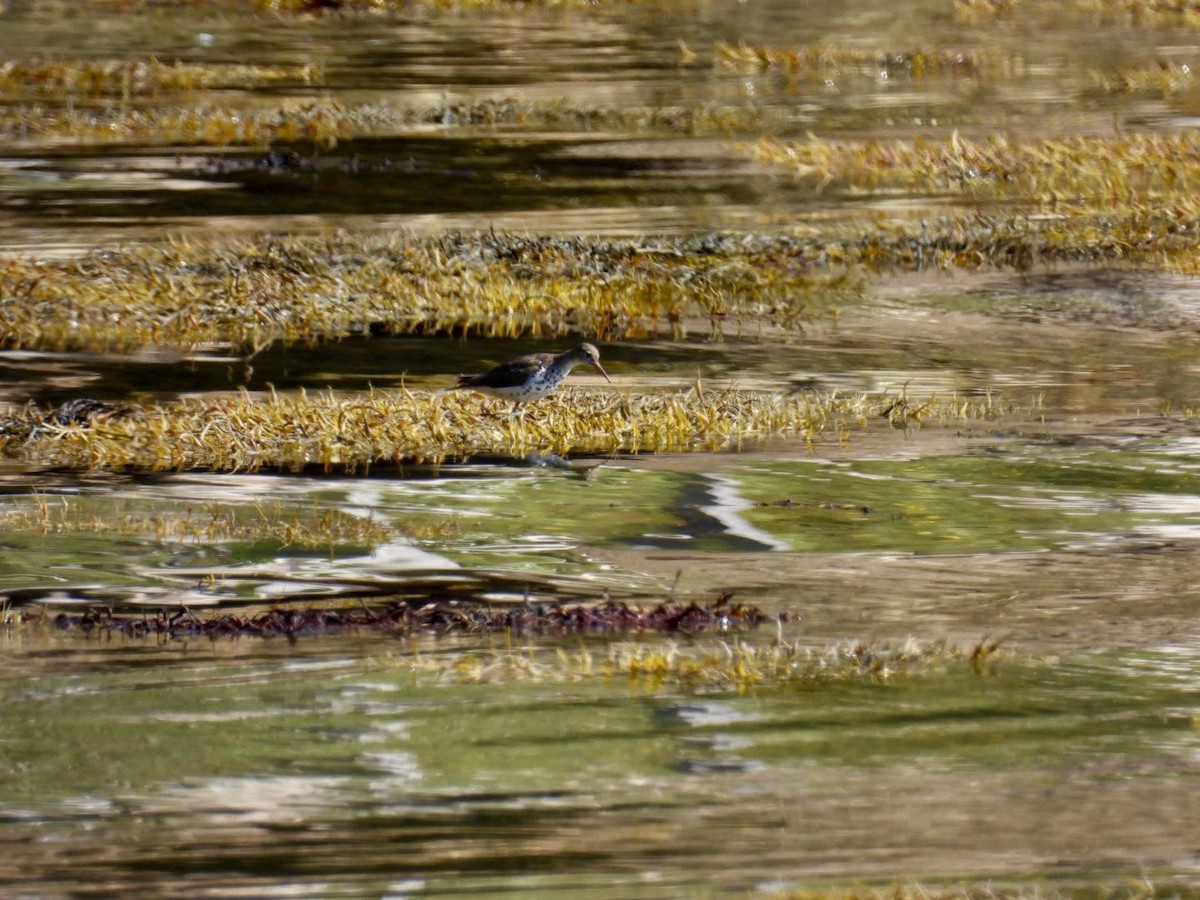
530, 377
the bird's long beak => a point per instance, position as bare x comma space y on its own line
602, 372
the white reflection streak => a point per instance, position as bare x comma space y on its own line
250, 800
727, 508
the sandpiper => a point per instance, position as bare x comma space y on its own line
530, 377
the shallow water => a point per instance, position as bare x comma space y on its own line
204, 768
1066, 530
332, 770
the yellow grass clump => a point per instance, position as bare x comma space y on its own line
244, 433
241, 432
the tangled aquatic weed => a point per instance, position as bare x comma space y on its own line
975, 12
55, 85
302, 123
730, 663
1161, 79
316, 123
285, 9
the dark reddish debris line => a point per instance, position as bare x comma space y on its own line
431, 617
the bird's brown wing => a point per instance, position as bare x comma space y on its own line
508, 374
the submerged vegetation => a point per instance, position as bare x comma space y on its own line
731, 663
205, 523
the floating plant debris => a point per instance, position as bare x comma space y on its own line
244, 433
820, 62
246, 294
340, 8
312, 123
726, 661
382, 7
403, 619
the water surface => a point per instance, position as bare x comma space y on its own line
1065, 529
